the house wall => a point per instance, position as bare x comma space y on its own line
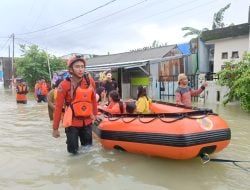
1, 71
203, 57
215, 93
153, 85
126, 91
6, 66
128, 76
228, 45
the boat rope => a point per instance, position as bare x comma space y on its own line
164, 117
128, 121
200, 117
171, 121
140, 119
113, 118
205, 159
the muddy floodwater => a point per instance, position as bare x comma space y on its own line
30, 158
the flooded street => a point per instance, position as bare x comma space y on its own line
32, 159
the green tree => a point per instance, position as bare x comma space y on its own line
236, 75
193, 31
217, 23
155, 44
219, 16
33, 64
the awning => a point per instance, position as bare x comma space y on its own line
125, 65
130, 64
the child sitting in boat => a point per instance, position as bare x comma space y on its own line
130, 107
143, 101
115, 106
184, 92
101, 94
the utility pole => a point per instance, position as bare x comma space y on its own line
13, 53
49, 68
9, 70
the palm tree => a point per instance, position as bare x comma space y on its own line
219, 16
217, 23
193, 31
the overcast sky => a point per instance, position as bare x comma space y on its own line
107, 26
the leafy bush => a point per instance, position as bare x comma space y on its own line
236, 75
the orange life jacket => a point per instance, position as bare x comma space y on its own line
22, 89
44, 89
82, 105
54, 95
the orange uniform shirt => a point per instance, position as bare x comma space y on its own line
64, 96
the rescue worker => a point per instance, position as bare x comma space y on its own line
41, 91
21, 91
78, 94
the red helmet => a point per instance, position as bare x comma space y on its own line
75, 59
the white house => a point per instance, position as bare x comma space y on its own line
224, 44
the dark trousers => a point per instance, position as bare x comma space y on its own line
21, 101
41, 98
72, 133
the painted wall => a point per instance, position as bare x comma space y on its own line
228, 45
203, 57
1, 70
153, 85
126, 91
215, 93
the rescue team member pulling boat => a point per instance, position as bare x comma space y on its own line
78, 94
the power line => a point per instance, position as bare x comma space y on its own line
169, 9
25, 42
69, 20
144, 18
101, 18
171, 16
28, 42
39, 15
186, 10
137, 20
110, 15
5, 44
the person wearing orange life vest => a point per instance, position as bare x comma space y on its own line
37, 91
21, 91
52, 98
78, 93
116, 106
41, 91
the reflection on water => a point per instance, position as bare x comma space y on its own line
32, 159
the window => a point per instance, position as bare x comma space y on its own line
235, 54
224, 55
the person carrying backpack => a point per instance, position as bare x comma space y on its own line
77, 94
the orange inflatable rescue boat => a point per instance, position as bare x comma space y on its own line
171, 131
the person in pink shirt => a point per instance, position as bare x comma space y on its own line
184, 92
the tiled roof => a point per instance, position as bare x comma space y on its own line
146, 54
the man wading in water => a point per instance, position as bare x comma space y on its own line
77, 94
